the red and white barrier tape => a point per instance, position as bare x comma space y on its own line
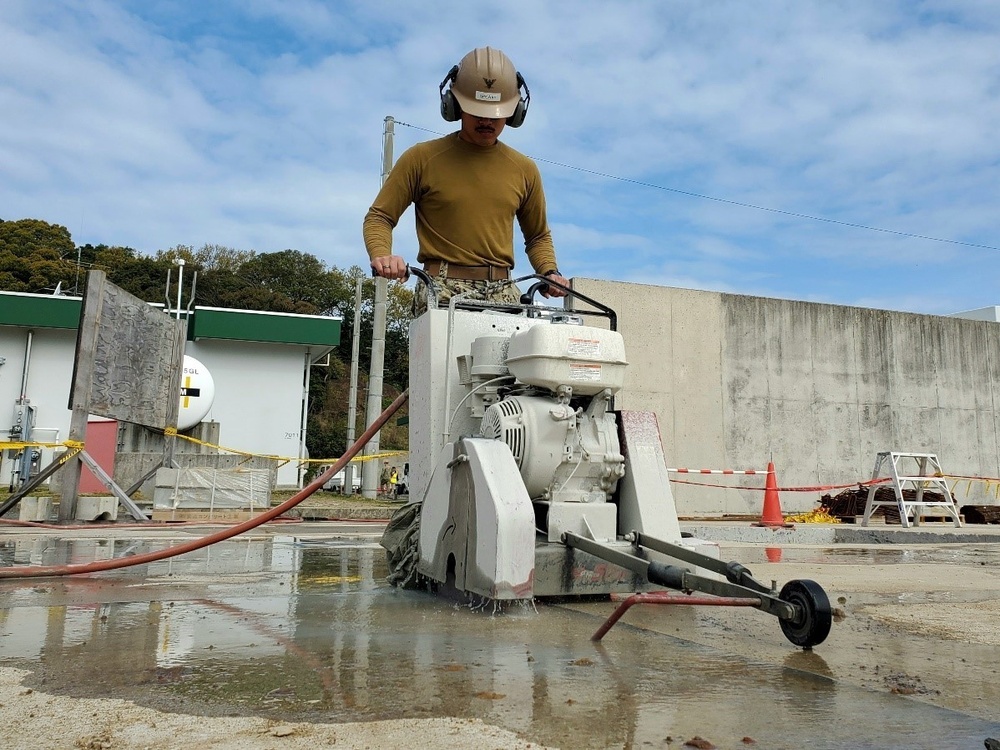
818, 488
958, 479
718, 471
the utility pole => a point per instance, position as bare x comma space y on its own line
352, 404
370, 469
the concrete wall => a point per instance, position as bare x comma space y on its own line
141, 451
737, 381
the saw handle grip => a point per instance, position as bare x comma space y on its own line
669, 576
429, 284
543, 281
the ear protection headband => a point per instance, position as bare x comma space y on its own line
516, 120
451, 111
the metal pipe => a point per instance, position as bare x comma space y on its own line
304, 417
376, 369
24, 368
388, 135
180, 283
166, 292
352, 398
194, 289
662, 597
733, 571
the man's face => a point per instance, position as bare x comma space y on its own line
481, 131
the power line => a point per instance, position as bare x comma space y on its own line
741, 204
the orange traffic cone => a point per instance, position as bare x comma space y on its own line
771, 515
773, 554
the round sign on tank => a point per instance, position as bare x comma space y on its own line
197, 393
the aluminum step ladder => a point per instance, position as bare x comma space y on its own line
928, 476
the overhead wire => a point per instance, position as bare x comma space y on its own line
741, 204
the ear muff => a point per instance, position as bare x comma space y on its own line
516, 120
450, 110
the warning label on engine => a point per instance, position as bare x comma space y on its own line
581, 371
584, 348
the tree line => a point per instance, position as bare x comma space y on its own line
39, 257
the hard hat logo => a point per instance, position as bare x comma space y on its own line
489, 82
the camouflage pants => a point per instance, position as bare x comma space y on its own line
491, 291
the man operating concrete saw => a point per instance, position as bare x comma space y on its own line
468, 188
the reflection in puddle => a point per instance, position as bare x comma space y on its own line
875, 555
275, 627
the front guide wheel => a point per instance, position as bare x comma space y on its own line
814, 617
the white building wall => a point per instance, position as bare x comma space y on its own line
258, 403
991, 314
258, 397
47, 386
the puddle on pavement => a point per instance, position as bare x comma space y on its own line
968, 554
309, 631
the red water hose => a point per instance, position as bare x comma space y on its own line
219, 536
137, 525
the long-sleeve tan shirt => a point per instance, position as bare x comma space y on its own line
466, 198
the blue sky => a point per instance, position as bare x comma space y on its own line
258, 125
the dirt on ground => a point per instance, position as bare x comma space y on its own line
924, 630
34, 719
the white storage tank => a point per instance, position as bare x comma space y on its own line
584, 358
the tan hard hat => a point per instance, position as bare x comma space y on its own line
486, 84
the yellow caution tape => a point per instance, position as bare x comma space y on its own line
21, 445
75, 446
71, 453
172, 431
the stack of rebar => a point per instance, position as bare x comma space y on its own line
981, 513
849, 504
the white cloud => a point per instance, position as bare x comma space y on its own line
258, 125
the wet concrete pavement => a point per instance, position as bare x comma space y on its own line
296, 623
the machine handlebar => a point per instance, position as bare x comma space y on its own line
543, 282
429, 284
527, 298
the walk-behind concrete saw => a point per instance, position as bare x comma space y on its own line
528, 483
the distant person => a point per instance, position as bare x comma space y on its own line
468, 188
383, 479
393, 483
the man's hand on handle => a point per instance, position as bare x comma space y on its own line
551, 291
390, 267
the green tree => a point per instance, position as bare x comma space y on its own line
25, 237
330, 386
35, 256
209, 257
135, 273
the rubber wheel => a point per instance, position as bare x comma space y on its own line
812, 625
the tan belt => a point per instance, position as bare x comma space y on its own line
468, 273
